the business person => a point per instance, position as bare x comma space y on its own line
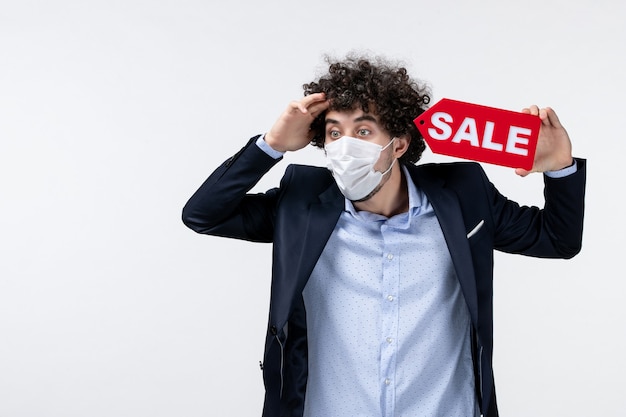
381, 301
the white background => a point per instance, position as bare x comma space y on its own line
113, 112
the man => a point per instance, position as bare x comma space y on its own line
381, 298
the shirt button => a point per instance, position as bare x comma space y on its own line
387, 381
389, 340
390, 297
390, 256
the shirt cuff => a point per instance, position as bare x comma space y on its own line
260, 142
563, 172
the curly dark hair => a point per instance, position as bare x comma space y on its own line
374, 85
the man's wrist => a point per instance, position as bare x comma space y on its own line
563, 172
265, 147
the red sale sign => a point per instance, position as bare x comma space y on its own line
480, 133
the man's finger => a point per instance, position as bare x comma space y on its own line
318, 107
297, 105
553, 118
311, 99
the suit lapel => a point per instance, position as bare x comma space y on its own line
448, 211
321, 218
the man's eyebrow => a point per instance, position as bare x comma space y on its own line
365, 117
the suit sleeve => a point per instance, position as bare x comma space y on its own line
222, 205
552, 232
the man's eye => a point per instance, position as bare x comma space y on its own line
335, 134
363, 132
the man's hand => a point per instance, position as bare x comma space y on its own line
554, 149
291, 131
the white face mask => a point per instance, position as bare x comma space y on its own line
351, 162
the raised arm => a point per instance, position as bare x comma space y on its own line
222, 205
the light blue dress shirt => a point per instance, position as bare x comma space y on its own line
388, 327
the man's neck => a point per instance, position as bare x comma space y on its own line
391, 199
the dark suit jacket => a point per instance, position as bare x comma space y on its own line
299, 216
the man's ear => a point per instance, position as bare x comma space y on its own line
401, 145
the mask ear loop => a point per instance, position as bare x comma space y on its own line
394, 159
390, 142
390, 166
